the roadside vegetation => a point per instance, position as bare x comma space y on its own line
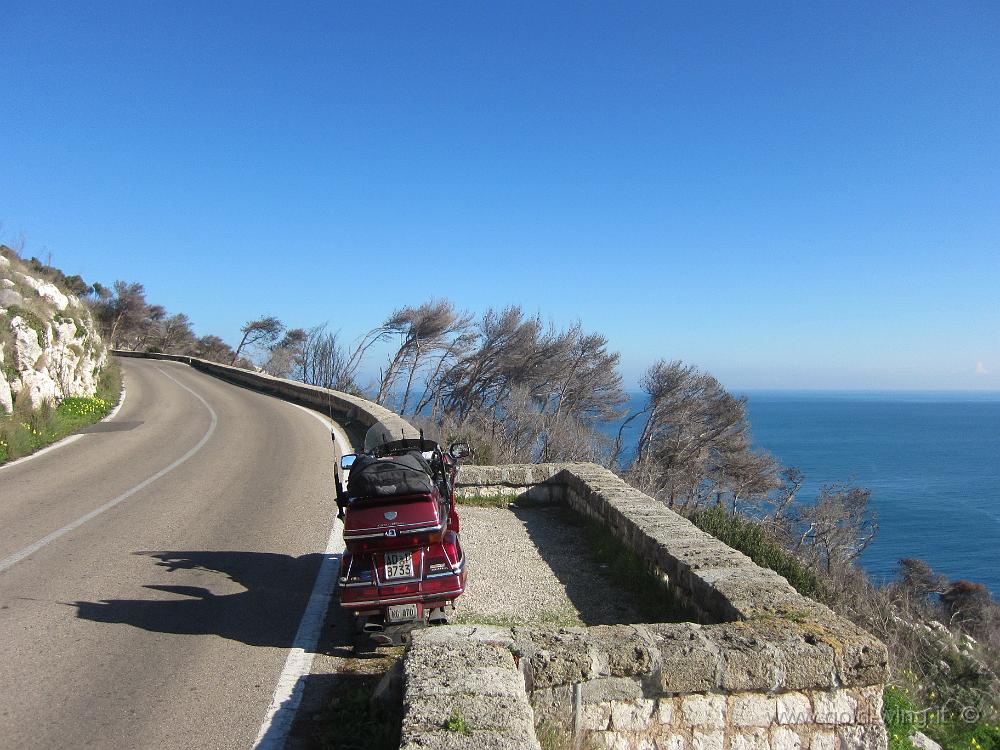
353, 721
26, 430
27, 427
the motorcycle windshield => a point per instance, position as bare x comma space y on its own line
380, 438
377, 436
381, 441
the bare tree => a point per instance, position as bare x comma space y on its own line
836, 529
170, 334
323, 361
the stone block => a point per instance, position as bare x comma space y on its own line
794, 708
752, 710
783, 738
749, 660
834, 707
749, 739
823, 741
607, 689
611, 740
870, 737
689, 663
671, 742
595, 717
704, 710
455, 633
665, 712
502, 714
632, 716
708, 740
870, 702
806, 662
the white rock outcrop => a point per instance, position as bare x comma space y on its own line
46, 290
44, 354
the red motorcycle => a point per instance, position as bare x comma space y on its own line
404, 565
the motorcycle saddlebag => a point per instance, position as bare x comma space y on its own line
408, 474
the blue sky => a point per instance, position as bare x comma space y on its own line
800, 195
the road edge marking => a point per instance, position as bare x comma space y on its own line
288, 692
12, 560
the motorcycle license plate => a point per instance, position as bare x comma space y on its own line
398, 565
402, 612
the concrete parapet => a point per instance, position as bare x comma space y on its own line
353, 413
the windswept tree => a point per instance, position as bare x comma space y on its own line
695, 442
423, 331
261, 333
523, 389
284, 356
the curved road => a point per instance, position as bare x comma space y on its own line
166, 620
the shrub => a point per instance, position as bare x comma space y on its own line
751, 539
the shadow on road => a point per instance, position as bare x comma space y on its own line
267, 613
111, 427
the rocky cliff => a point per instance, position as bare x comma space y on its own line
49, 345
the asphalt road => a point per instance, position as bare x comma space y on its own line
165, 620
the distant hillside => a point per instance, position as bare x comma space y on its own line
49, 346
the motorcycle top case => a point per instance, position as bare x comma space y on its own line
408, 474
391, 523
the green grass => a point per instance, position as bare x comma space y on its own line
562, 617
457, 723
492, 501
900, 716
960, 735
26, 431
750, 539
502, 501
33, 320
903, 717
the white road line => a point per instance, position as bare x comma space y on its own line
291, 683
8, 562
67, 440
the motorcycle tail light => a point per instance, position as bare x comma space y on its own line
450, 546
355, 571
437, 563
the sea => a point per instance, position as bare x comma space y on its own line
931, 461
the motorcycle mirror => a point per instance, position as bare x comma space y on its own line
347, 461
460, 450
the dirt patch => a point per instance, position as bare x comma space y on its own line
537, 565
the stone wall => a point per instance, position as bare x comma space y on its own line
766, 669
